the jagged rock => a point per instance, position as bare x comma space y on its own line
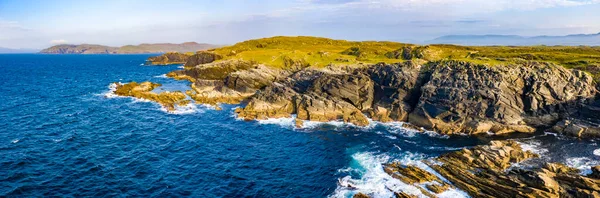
449, 97
360, 195
462, 97
169, 58
274, 101
144, 91
409, 174
583, 123
485, 171
252, 79
202, 57
595, 172
397, 90
403, 195
314, 95
298, 123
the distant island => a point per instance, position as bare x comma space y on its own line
17, 51
127, 49
514, 40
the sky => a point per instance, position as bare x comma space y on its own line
39, 24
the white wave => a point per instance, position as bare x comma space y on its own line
283, 122
15, 141
181, 67
550, 133
182, 110
584, 164
135, 100
533, 146
597, 152
161, 76
112, 87
290, 122
335, 123
398, 128
375, 182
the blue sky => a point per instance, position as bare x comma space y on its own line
39, 23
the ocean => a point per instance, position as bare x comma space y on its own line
63, 134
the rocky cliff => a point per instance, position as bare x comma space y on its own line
169, 58
449, 97
440, 94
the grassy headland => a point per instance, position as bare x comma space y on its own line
282, 52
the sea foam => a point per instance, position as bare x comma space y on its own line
161, 76
112, 87
375, 182
533, 146
584, 164
182, 110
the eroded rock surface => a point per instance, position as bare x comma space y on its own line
169, 58
202, 57
487, 171
144, 91
449, 97
584, 122
465, 98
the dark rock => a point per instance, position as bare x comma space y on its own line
169, 58
202, 57
462, 97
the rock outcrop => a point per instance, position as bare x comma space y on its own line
144, 91
168, 58
317, 95
202, 57
584, 122
466, 98
488, 171
449, 97
228, 82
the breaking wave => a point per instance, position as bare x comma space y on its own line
375, 182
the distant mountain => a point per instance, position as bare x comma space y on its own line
17, 51
127, 49
573, 40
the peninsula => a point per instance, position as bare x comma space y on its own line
127, 49
449, 89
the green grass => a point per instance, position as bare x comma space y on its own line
282, 52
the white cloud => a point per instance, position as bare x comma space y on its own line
58, 41
462, 6
11, 25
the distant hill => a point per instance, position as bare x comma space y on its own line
17, 51
568, 40
127, 49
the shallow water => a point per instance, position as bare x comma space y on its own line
60, 135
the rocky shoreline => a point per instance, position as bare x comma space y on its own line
449, 97
491, 171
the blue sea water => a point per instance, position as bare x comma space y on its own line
62, 134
